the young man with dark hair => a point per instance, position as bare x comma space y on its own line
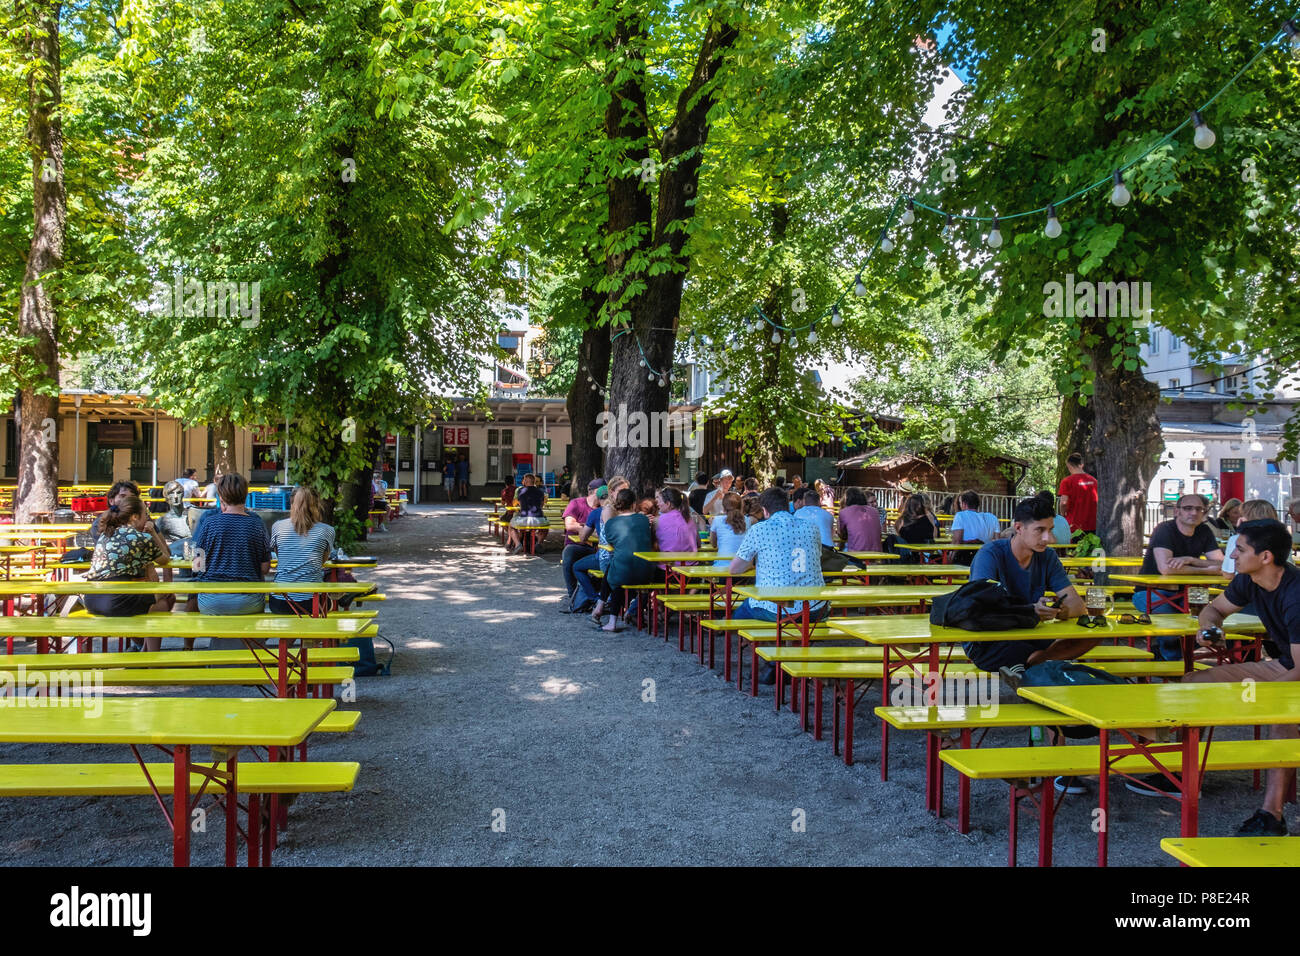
1028, 569
786, 554
1266, 579
1078, 496
751, 488
971, 526
1183, 545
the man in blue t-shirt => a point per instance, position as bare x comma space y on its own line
1028, 569
1266, 579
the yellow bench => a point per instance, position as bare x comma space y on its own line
1019, 765
1234, 851
154, 659
197, 676
254, 780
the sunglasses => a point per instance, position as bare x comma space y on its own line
1090, 620
1135, 618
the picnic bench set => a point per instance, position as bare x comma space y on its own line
877, 631
55, 693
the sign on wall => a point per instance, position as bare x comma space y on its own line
543, 446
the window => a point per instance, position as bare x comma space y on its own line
1197, 465
1273, 469
500, 454
1154, 341
1175, 343
142, 455
1175, 383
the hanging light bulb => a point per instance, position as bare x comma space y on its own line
995, 237
593, 386
650, 377
836, 319
886, 244
1053, 227
642, 361
735, 345
708, 342
947, 227
909, 214
812, 335
662, 383
1204, 136
858, 288
1120, 194
1292, 30
776, 338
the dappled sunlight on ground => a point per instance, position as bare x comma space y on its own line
418, 645
542, 657
556, 687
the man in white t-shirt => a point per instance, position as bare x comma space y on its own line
188, 482
971, 526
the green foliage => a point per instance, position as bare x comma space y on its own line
948, 388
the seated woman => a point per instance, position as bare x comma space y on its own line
627, 532
859, 523
129, 549
916, 524
302, 543
231, 545
675, 528
532, 501
728, 529
120, 491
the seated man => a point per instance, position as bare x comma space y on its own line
583, 548
788, 555
1266, 579
821, 519
1183, 545
971, 526
1028, 569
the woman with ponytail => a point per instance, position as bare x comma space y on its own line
129, 549
674, 528
727, 529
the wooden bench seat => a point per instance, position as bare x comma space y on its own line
1234, 851
127, 779
201, 676
1020, 765
154, 659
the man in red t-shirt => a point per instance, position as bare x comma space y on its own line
1078, 496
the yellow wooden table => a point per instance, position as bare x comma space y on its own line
1106, 563
872, 556
1234, 851
224, 724
1123, 709
1175, 583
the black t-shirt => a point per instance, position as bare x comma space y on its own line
1167, 535
530, 501
920, 531
696, 498
1279, 609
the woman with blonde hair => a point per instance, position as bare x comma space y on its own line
302, 542
1252, 510
728, 529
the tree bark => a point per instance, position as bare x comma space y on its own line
1074, 433
585, 403
223, 446
643, 349
38, 459
1124, 450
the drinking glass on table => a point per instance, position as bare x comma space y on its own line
1098, 602
1197, 599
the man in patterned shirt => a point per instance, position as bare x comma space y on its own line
788, 555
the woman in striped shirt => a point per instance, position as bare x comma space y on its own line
301, 542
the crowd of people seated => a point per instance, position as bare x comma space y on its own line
226, 543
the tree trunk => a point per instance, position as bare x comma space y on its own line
1124, 451
643, 348
584, 402
38, 461
1074, 433
223, 446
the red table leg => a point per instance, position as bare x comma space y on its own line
1191, 777
181, 805
1103, 797
848, 722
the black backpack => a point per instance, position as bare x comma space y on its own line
982, 606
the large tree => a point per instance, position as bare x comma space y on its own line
1055, 108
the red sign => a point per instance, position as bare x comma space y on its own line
462, 436
448, 435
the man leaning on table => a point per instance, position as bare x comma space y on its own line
1183, 545
788, 554
1265, 578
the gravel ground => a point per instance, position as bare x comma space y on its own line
501, 709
